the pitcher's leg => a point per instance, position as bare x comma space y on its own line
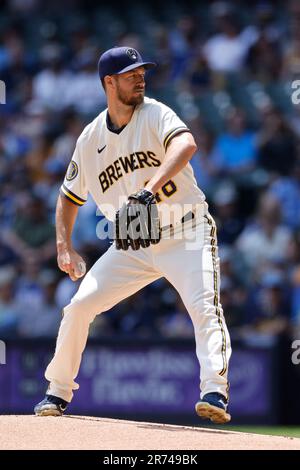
195, 275
115, 276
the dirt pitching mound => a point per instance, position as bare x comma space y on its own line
77, 432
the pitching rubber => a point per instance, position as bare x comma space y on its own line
216, 415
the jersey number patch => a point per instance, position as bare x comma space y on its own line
168, 189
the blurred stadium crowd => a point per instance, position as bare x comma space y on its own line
227, 69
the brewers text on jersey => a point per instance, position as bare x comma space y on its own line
126, 164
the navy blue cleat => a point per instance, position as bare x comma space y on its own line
51, 406
213, 406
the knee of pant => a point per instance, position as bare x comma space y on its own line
78, 312
200, 306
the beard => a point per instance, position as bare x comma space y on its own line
129, 100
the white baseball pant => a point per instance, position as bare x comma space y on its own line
194, 273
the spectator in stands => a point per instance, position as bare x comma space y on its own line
268, 306
286, 189
264, 59
182, 41
198, 74
226, 51
51, 85
85, 94
230, 224
266, 21
203, 160
48, 188
235, 285
236, 148
41, 150
64, 144
39, 319
162, 55
264, 239
291, 62
232, 304
32, 235
28, 289
276, 142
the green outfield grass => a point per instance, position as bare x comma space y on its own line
290, 431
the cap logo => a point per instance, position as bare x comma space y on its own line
132, 54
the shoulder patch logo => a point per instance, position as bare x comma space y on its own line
72, 171
132, 54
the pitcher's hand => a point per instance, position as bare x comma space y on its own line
71, 262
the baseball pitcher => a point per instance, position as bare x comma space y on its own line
133, 159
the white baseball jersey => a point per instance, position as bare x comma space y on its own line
111, 165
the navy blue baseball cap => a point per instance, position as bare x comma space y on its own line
119, 60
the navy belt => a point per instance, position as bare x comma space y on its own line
188, 216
